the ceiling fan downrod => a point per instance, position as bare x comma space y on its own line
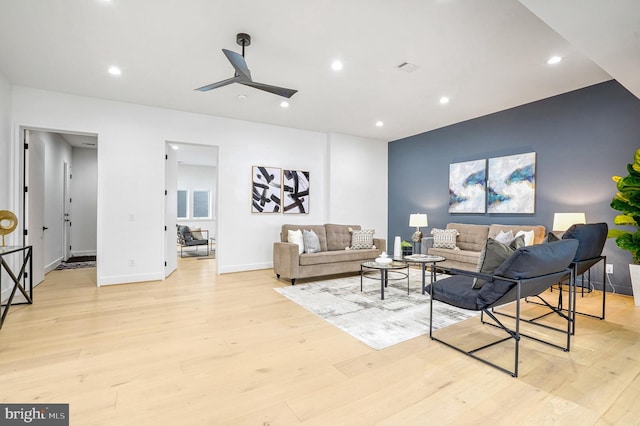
243, 40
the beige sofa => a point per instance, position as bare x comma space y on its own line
332, 258
471, 240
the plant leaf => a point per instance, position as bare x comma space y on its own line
624, 220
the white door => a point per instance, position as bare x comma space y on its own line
170, 210
66, 202
35, 203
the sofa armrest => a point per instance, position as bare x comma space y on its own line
286, 259
381, 244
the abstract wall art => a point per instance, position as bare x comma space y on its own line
266, 193
511, 186
467, 187
295, 192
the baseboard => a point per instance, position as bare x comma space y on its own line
83, 253
128, 279
244, 267
53, 265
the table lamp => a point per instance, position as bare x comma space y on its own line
417, 220
563, 221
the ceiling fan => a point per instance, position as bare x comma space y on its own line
242, 74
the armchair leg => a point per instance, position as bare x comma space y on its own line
278, 276
293, 281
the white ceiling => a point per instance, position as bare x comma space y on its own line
486, 55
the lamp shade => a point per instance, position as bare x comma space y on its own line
418, 219
563, 221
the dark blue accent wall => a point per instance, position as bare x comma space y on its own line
580, 138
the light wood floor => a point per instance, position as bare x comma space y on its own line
201, 349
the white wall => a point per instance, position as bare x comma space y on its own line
5, 141
358, 182
56, 152
199, 178
131, 178
84, 207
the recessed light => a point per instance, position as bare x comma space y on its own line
444, 100
337, 65
175, 147
379, 123
284, 104
242, 97
554, 60
115, 71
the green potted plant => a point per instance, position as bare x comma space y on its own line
407, 248
627, 201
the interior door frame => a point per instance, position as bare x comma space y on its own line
21, 182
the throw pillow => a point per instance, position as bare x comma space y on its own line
445, 238
551, 237
492, 256
505, 237
196, 233
311, 241
528, 237
361, 238
296, 237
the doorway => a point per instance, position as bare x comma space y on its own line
59, 206
191, 197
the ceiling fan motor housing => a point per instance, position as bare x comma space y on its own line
243, 39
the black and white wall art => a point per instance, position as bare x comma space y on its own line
295, 192
266, 194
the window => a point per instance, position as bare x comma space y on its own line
183, 203
201, 204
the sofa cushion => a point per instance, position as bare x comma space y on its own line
334, 256
338, 236
551, 237
186, 233
311, 241
444, 238
465, 256
492, 256
471, 237
591, 236
528, 262
295, 236
196, 233
361, 238
504, 237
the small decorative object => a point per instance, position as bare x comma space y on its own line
384, 259
397, 250
295, 192
468, 187
266, 189
407, 248
626, 202
8, 223
511, 186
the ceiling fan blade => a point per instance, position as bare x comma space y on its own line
287, 93
218, 84
239, 64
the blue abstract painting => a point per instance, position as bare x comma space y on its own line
467, 187
511, 185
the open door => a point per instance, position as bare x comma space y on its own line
34, 187
170, 210
66, 202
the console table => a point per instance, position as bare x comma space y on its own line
24, 274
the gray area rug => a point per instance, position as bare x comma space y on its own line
378, 323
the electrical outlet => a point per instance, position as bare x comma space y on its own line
610, 268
